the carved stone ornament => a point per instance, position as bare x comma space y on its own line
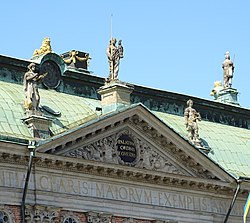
69, 217
41, 214
125, 149
6, 215
94, 217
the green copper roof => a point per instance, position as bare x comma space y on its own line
11, 112
74, 110
230, 146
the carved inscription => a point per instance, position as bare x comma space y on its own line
118, 192
126, 148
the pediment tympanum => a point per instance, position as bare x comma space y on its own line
125, 147
135, 139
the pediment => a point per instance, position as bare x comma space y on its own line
126, 147
137, 139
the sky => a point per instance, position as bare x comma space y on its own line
172, 45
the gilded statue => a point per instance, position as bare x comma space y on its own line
228, 70
45, 48
217, 88
191, 121
74, 57
30, 81
114, 54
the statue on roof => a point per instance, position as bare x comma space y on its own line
217, 89
228, 70
191, 121
45, 48
114, 54
30, 80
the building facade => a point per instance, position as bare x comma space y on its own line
77, 148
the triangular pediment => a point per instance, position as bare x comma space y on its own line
129, 148
135, 138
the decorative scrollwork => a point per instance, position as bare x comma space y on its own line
94, 217
106, 150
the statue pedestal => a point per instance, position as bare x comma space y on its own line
38, 126
114, 95
229, 96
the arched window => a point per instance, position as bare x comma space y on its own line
4, 218
68, 220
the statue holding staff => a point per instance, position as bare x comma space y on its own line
114, 55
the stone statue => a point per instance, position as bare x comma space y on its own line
32, 97
228, 70
191, 121
114, 55
45, 48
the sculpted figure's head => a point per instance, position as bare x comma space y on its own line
46, 40
113, 40
190, 103
227, 55
32, 66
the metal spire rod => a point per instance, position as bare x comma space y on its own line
111, 25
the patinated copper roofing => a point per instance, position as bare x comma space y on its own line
230, 146
224, 129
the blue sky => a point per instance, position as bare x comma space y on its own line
176, 45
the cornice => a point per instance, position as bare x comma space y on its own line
139, 118
118, 172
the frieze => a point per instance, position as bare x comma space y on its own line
177, 108
126, 149
41, 214
95, 217
6, 212
159, 105
15, 179
69, 217
89, 187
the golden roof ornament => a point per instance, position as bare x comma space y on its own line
74, 57
45, 48
216, 90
